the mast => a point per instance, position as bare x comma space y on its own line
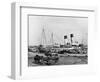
43, 38
52, 40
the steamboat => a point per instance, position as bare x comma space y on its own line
50, 54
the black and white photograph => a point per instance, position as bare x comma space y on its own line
57, 40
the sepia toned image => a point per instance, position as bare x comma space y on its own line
57, 40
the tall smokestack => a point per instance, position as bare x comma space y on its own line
71, 36
65, 39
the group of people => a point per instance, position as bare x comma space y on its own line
48, 59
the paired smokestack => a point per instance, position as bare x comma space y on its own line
66, 38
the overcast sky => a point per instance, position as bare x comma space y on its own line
59, 26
